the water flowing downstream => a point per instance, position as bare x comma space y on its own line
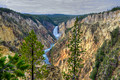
57, 35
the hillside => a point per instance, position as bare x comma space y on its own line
15, 26
97, 28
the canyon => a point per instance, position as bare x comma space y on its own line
96, 29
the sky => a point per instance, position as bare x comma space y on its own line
73, 7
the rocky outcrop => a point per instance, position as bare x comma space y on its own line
96, 29
65, 25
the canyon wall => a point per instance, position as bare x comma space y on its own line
14, 27
96, 29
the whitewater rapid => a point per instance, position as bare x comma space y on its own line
57, 35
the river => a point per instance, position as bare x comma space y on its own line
57, 35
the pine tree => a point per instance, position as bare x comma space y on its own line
32, 50
13, 68
74, 55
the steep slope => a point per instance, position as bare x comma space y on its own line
106, 66
96, 29
15, 26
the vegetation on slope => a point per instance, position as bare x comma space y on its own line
115, 8
6, 10
40, 18
106, 58
59, 18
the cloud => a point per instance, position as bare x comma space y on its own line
60, 6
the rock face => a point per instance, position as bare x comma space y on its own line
14, 27
96, 29
64, 26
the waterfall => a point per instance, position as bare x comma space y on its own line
56, 33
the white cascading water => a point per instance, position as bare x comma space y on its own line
57, 35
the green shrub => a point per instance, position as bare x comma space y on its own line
93, 74
114, 36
